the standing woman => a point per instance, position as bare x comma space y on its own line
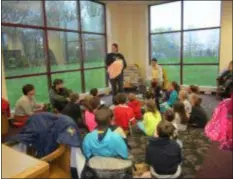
116, 64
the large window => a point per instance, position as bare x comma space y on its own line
184, 37
44, 40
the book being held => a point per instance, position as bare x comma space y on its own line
115, 68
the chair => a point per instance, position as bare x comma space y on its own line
59, 160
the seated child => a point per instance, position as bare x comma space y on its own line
89, 116
149, 95
198, 117
151, 118
123, 114
163, 154
135, 105
174, 90
183, 97
103, 141
73, 109
95, 93
192, 89
181, 117
157, 90
169, 116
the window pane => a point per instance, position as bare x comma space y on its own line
94, 50
14, 88
166, 47
64, 50
201, 46
200, 14
165, 17
23, 51
62, 14
22, 12
72, 80
92, 16
95, 78
173, 72
200, 75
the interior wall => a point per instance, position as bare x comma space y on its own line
226, 35
4, 92
128, 26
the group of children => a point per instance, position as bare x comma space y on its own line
108, 127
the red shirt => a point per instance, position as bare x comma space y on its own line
136, 106
123, 114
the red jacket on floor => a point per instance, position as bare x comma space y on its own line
136, 106
122, 115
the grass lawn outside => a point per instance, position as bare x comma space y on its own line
200, 75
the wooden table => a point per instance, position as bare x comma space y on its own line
19, 165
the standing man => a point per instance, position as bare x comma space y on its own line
116, 64
156, 79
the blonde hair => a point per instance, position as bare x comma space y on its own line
184, 94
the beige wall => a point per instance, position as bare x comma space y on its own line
226, 34
4, 93
128, 26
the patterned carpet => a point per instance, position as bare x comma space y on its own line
195, 144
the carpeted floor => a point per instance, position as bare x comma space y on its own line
195, 144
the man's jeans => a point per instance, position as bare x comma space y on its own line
117, 84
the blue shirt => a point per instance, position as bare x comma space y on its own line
112, 145
172, 98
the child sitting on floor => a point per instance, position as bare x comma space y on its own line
135, 105
73, 109
151, 118
163, 154
90, 107
123, 114
103, 141
95, 93
198, 117
183, 97
169, 116
181, 117
192, 89
174, 90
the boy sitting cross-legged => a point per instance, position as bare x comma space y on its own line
103, 141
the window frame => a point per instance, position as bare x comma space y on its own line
181, 31
79, 32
